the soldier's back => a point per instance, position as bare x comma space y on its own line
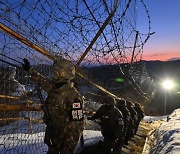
139, 112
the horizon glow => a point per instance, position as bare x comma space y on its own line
164, 15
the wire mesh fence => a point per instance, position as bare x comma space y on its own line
107, 30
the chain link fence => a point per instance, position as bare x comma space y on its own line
106, 30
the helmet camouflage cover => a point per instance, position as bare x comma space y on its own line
121, 102
63, 69
128, 103
109, 100
137, 105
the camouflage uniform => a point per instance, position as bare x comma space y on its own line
133, 120
111, 122
121, 105
140, 113
67, 126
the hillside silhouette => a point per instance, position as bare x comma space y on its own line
107, 76
158, 71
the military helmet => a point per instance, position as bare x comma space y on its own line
109, 100
137, 105
129, 103
121, 102
63, 69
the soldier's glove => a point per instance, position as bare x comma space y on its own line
26, 66
90, 118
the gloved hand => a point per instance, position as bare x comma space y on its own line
26, 66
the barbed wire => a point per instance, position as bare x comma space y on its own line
75, 27
67, 28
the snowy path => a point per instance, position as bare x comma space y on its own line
23, 142
166, 140
136, 144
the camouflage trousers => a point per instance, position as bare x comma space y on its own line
129, 132
136, 127
61, 143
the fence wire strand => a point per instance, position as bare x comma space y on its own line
66, 28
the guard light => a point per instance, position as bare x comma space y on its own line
168, 84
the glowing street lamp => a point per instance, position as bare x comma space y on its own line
167, 85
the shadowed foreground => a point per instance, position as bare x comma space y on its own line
135, 145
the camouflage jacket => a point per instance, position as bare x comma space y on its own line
59, 101
139, 112
133, 113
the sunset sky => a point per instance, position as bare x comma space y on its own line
165, 22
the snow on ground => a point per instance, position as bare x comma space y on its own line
91, 137
153, 118
22, 142
167, 136
19, 138
33, 143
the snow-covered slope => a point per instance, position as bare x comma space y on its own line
167, 137
25, 143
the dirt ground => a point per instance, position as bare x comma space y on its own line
136, 144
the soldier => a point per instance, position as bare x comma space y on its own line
64, 105
133, 121
121, 105
140, 113
15, 88
111, 122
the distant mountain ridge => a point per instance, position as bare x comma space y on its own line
159, 71
163, 69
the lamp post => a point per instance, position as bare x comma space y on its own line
167, 85
165, 102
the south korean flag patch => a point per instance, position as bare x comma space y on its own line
76, 105
77, 112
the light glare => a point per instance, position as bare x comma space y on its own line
168, 84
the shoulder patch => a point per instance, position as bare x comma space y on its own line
76, 113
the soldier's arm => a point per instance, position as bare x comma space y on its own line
135, 114
128, 114
119, 117
99, 113
40, 80
142, 113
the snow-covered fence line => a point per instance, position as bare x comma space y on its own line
167, 137
59, 27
